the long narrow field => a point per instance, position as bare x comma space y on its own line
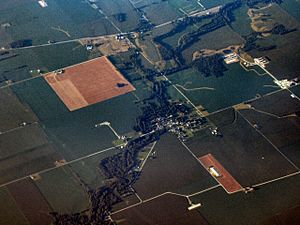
226, 180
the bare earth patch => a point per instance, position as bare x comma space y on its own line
88, 83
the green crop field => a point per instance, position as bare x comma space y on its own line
214, 93
63, 191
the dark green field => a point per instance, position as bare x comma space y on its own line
63, 191
74, 133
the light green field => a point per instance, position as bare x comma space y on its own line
113, 7
74, 133
88, 169
30, 21
215, 93
48, 58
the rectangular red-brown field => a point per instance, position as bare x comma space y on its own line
225, 179
88, 83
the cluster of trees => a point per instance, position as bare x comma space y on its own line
101, 201
120, 17
281, 30
120, 173
21, 43
218, 20
210, 65
250, 43
251, 39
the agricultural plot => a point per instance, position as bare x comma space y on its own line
160, 173
252, 208
220, 173
74, 133
88, 169
143, 90
121, 14
214, 93
292, 7
25, 151
241, 26
88, 83
245, 154
285, 53
276, 118
13, 112
215, 40
33, 206
60, 20
63, 191
10, 213
187, 7
26, 63
213, 3
296, 90
167, 209
160, 12
149, 48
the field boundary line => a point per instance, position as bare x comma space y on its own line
44, 74
269, 141
144, 162
276, 179
166, 193
59, 166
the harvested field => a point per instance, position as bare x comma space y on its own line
165, 210
34, 206
88, 83
225, 179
